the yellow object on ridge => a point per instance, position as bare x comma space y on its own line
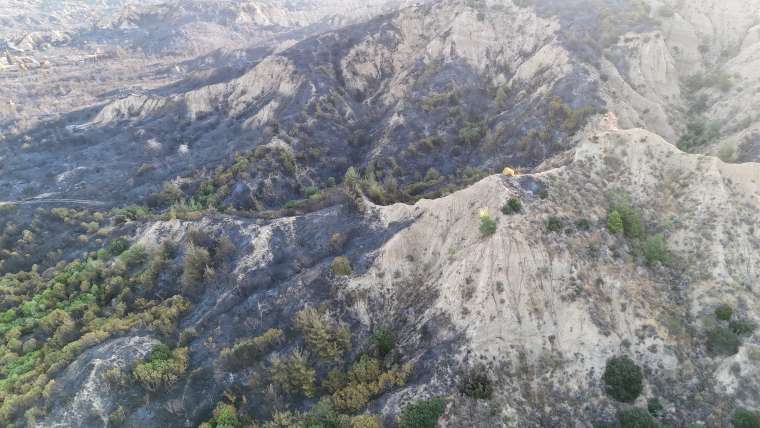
509, 172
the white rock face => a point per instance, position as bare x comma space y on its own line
529, 290
720, 37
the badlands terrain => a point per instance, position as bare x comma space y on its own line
455, 213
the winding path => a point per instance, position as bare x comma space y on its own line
33, 201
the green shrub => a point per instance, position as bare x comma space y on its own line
323, 336
654, 407
741, 327
487, 225
351, 179
383, 340
247, 351
615, 222
323, 415
196, 262
204, 197
655, 250
162, 368
722, 341
310, 191
632, 226
341, 266
724, 312
293, 375
365, 421
477, 384
224, 416
636, 418
623, 379
365, 380
583, 224
513, 206
117, 417
422, 414
699, 132
553, 224
432, 175
117, 246
472, 133
745, 419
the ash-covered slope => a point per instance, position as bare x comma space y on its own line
541, 309
437, 89
68, 56
175, 27
317, 237
448, 88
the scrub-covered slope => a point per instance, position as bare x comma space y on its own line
537, 307
326, 234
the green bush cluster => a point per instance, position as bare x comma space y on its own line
245, 352
323, 415
568, 118
724, 312
512, 206
435, 101
367, 378
622, 217
487, 225
196, 264
656, 250
117, 417
383, 340
554, 224
476, 383
40, 238
623, 379
162, 368
583, 224
212, 190
744, 418
723, 341
725, 338
615, 222
323, 336
422, 414
71, 308
472, 133
741, 327
381, 185
117, 246
341, 266
293, 375
654, 407
699, 132
224, 416
629, 216
637, 418
203, 254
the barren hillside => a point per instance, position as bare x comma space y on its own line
452, 213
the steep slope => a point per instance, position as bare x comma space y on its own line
432, 87
319, 235
64, 58
712, 48
168, 26
542, 310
